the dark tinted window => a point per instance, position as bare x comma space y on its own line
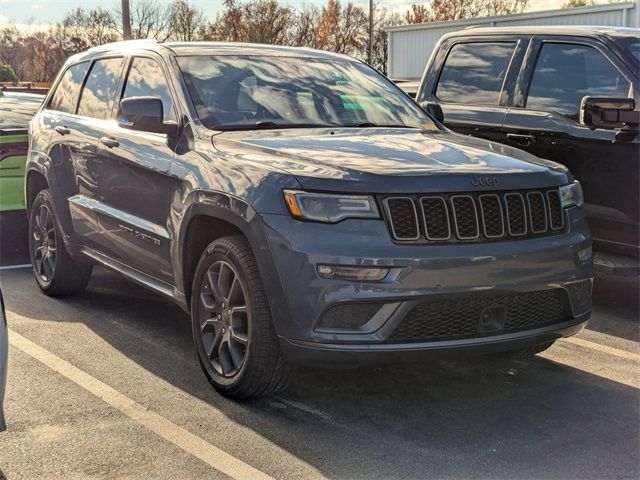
565, 73
100, 89
66, 95
16, 109
146, 79
473, 73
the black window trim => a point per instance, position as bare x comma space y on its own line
539, 44
86, 77
514, 41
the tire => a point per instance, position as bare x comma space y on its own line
237, 346
56, 273
526, 352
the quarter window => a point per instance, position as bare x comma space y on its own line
100, 89
146, 79
565, 73
473, 73
65, 97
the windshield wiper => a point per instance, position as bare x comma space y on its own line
371, 124
267, 125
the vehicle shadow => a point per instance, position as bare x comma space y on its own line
477, 418
618, 299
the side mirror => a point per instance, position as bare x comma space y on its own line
434, 110
609, 113
144, 114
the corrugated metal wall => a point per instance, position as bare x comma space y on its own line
410, 46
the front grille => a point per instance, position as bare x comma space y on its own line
482, 316
473, 217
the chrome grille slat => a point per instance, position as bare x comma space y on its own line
556, 215
537, 212
516, 214
476, 216
436, 222
465, 217
404, 221
488, 216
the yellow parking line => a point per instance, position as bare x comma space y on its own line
603, 348
183, 439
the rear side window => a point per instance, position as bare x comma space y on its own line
565, 73
146, 79
65, 97
473, 73
100, 89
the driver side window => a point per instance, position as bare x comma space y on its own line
565, 73
146, 79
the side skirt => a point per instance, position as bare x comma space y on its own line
136, 276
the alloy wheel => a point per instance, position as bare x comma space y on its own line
224, 318
44, 243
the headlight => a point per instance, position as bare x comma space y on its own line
328, 208
571, 195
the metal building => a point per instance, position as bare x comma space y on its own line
410, 46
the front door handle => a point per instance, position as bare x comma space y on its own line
521, 140
62, 130
109, 142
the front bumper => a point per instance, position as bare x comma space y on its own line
341, 355
418, 273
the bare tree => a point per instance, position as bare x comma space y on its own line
304, 33
258, 21
149, 19
417, 14
186, 22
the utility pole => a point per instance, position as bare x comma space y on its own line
370, 32
126, 20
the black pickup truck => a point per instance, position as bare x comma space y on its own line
567, 94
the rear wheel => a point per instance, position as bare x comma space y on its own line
233, 332
55, 271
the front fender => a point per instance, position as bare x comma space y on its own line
240, 214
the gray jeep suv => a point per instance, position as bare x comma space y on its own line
301, 208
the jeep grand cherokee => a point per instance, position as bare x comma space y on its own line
301, 208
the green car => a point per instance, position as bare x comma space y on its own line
16, 109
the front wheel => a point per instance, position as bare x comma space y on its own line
55, 271
233, 332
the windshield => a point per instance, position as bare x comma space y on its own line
243, 92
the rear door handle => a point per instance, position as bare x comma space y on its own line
109, 142
62, 130
521, 140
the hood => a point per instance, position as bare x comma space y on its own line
381, 160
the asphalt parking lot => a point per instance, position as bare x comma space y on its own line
106, 385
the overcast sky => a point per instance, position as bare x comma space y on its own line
50, 11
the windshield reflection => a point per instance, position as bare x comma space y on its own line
247, 92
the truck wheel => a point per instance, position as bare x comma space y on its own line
55, 271
232, 328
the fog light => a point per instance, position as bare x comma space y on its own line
360, 274
585, 254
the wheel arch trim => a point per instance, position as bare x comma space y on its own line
241, 215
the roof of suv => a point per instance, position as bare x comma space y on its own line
212, 48
580, 31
